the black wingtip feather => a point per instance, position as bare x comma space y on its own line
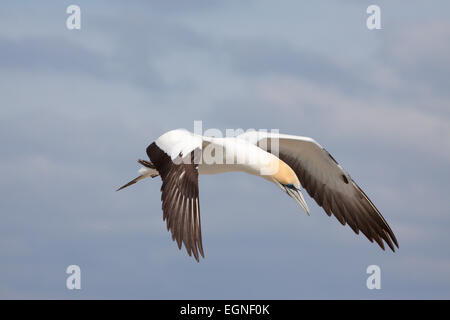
179, 196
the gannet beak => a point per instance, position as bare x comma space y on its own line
294, 193
298, 196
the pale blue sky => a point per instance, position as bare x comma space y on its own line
77, 108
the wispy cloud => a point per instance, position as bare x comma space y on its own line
77, 110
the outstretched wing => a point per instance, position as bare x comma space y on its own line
180, 196
327, 182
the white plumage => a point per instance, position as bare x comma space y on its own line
288, 161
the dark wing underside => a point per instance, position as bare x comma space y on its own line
333, 189
180, 203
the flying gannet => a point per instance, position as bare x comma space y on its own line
179, 156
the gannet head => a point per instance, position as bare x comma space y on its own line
285, 178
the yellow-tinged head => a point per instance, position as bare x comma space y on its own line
284, 173
287, 180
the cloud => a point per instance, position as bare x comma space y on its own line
79, 108
48, 54
415, 61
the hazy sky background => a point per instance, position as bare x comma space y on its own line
77, 108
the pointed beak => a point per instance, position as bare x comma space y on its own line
298, 196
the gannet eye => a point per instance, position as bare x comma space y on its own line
290, 186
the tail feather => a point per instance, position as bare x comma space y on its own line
147, 164
149, 170
133, 182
